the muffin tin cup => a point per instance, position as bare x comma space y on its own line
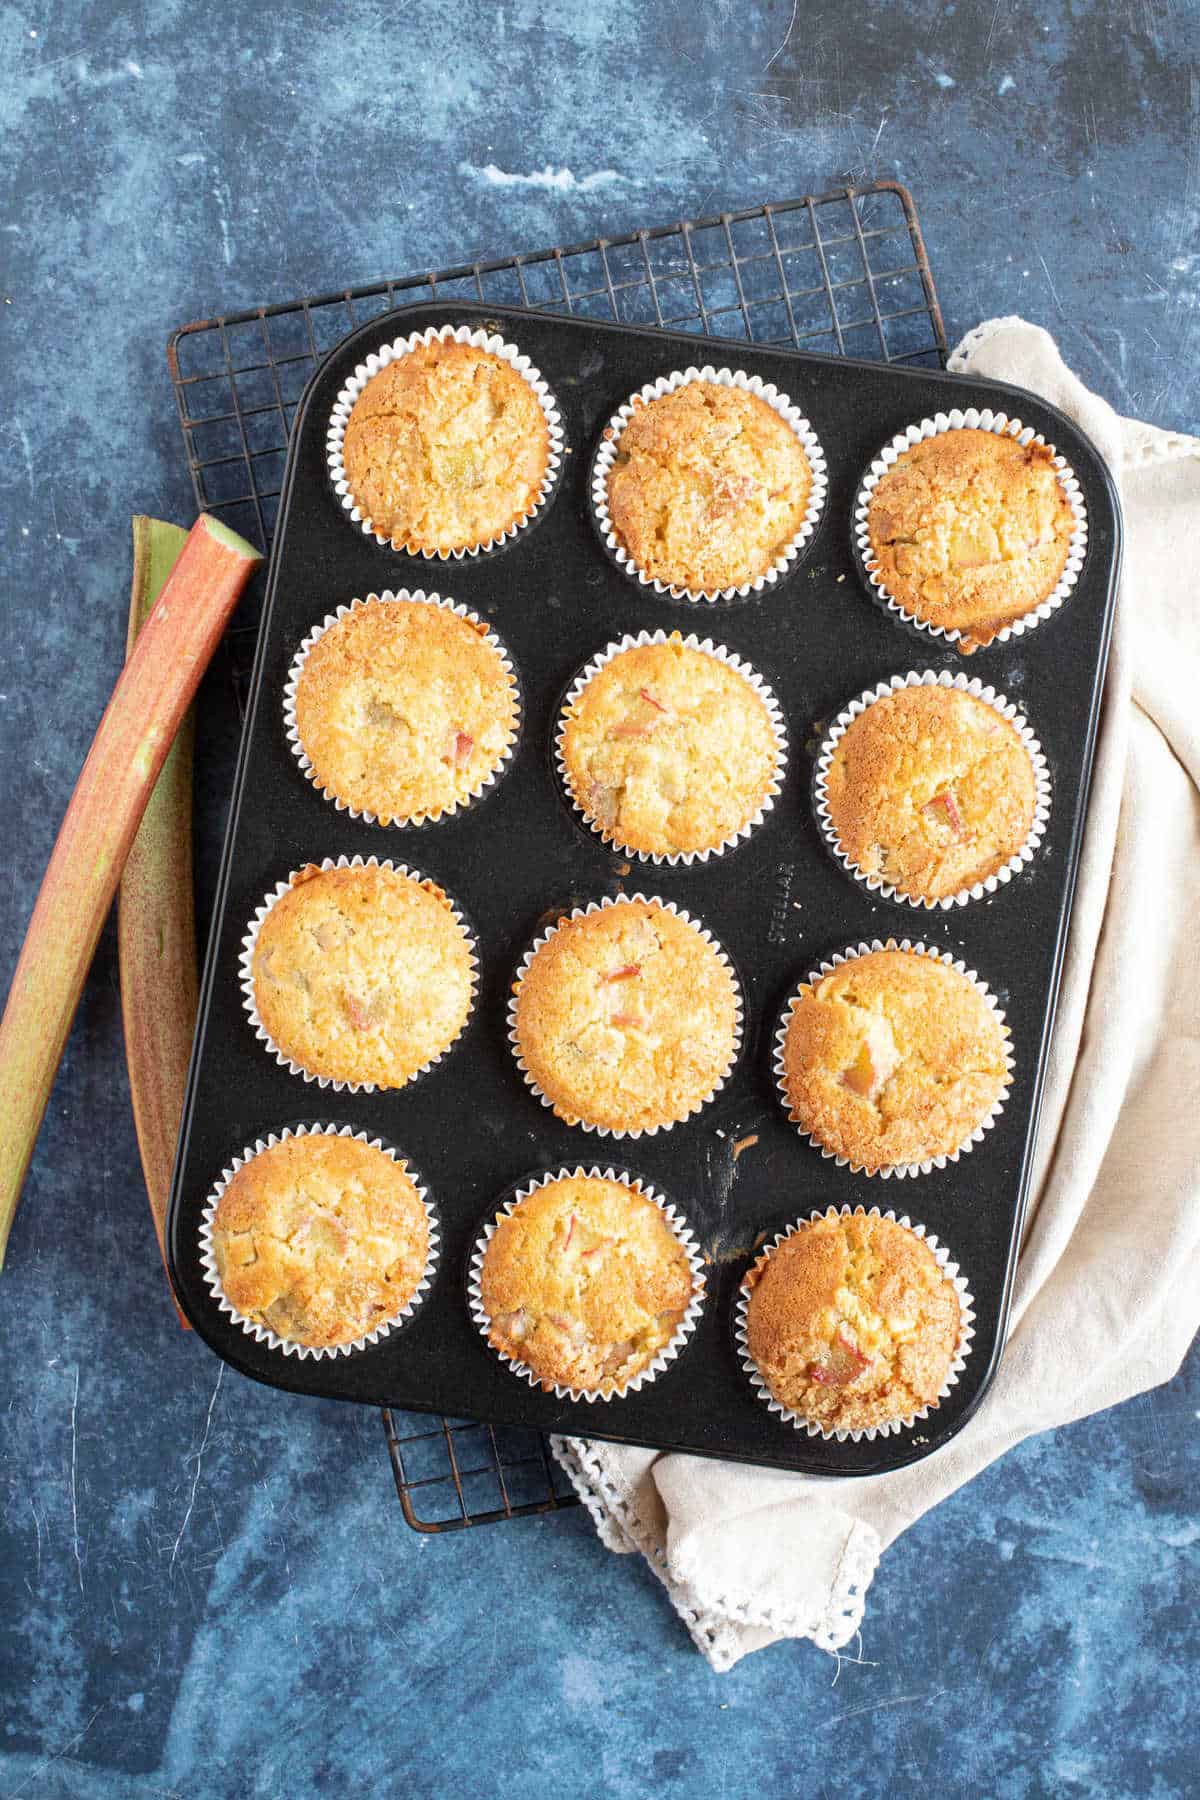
633, 641
679, 1230
582, 912
606, 452
974, 419
897, 1170
402, 346
292, 685
262, 1334
890, 1427
246, 974
991, 884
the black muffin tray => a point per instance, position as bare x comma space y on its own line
519, 856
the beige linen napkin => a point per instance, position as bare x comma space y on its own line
1107, 1293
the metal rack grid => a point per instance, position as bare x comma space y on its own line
843, 272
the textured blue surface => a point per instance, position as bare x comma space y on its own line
207, 1588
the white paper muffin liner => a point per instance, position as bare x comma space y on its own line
719, 653
581, 912
890, 1427
898, 1170
666, 384
420, 598
679, 1230
262, 1334
401, 346
246, 973
975, 419
1041, 772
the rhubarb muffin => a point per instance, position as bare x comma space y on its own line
852, 1323
446, 449
669, 751
708, 487
892, 1060
584, 1283
320, 1239
626, 1018
404, 709
969, 530
930, 791
361, 974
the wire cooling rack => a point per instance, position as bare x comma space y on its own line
844, 272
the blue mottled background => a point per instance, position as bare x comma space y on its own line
207, 1587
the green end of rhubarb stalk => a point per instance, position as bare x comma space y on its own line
239, 545
156, 547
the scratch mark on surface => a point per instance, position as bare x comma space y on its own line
199, 1456
37, 1526
59, 1754
74, 1505
878, 1705
786, 36
992, 28
1050, 284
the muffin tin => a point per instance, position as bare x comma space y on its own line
737, 1171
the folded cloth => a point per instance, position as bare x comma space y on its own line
1107, 1295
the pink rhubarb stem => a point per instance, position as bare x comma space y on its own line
139, 725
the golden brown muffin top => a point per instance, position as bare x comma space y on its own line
585, 1282
893, 1058
708, 487
969, 531
404, 709
852, 1323
320, 1239
931, 790
446, 448
362, 974
627, 1018
668, 749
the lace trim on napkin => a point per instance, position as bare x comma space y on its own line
1142, 443
715, 1625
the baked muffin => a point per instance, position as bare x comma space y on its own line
626, 1018
931, 791
893, 1058
970, 530
851, 1322
362, 974
320, 1239
446, 448
708, 487
668, 750
404, 709
584, 1282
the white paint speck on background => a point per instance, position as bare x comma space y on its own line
561, 181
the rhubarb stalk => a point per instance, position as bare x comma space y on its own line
156, 925
152, 695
